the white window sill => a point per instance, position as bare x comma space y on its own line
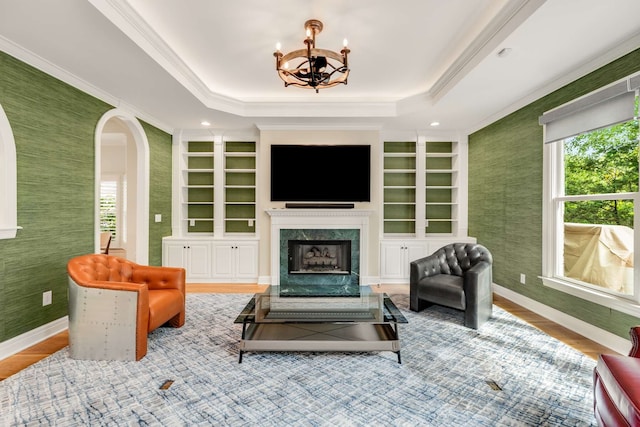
9, 232
616, 303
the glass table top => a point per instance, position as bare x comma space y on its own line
315, 304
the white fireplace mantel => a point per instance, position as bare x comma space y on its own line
319, 219
319, 212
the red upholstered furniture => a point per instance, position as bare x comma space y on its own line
617, 386
114, 303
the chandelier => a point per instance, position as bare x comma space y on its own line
316, 68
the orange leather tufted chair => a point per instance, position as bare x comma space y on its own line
114, 303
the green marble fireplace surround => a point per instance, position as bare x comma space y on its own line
325, 284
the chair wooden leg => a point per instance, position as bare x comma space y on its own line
419, 304
176, 321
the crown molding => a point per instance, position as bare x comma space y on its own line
337, 108
319, 127
71, 79
123, 16
506, 21
589, 66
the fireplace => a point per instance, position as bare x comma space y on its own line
320, 228
319, 257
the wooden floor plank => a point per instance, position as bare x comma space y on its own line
31, 355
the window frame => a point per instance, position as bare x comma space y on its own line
553, 234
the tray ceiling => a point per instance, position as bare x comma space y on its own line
176, 63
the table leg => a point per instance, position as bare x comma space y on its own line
395, 328
244, 328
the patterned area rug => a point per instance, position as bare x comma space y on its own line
506, 374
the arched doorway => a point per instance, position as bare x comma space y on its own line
122, 155
8, 183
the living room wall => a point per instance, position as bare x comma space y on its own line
53, 125
159, 189
505, 198
337, 137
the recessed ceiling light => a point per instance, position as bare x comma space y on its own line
504, 52
435, 124
205, 123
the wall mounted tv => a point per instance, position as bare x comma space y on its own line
320, 173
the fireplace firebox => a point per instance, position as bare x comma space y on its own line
319, 257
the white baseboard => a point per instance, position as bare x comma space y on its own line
602, 337
26, 340
264, 280
370, 280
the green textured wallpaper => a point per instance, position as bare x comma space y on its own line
159, 190
53, 125
505, 198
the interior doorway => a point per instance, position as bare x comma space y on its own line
122, 183
8, 180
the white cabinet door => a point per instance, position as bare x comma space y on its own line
395, 256
391, 261
198, 260
223, 260
193, 256
174, 254
247, 260
235, 261
213, 260
414, 251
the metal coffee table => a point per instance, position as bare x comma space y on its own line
362, 320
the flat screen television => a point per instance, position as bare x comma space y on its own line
320, 173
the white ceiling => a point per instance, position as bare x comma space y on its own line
177, 62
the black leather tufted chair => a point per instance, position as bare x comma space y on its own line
459, 276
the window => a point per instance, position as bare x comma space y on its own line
112, 208
591, 195
8, 184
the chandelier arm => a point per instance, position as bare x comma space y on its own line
288, 76
338, 80
329, 75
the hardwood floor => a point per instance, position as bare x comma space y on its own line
31, 355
